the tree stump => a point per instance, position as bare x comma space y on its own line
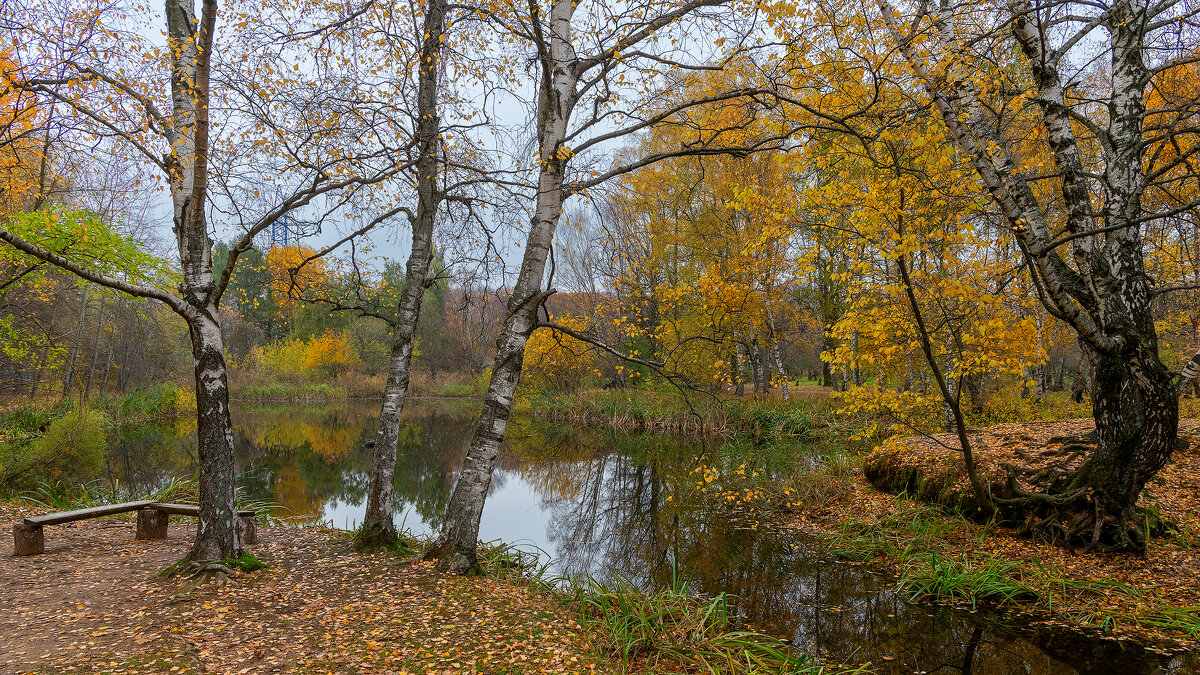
28, 539
151, 524
247, 530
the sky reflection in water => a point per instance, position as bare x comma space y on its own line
595, 503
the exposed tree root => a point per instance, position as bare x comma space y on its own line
1038, 476
1059, 513
222, 573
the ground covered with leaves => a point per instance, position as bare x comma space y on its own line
939, 554
95, 602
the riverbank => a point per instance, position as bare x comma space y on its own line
815, 482
94, 602
664, 411
258, 388
939, 555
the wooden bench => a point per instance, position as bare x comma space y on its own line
29, 537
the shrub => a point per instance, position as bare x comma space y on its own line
72, 450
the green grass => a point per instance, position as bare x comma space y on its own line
1185, 620
675, 627
973, 581
283, 391
25, 422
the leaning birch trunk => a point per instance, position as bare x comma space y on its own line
456, 546
1106, 297
379, 528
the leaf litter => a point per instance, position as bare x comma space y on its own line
95, 603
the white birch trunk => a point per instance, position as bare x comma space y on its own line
456, 545
378, 526
190, 41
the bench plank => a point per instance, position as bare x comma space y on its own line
186, 509
84, 514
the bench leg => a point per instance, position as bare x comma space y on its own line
151, 524
247, 530
28, 539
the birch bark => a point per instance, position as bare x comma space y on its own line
378, 526
455, 547
1105, 296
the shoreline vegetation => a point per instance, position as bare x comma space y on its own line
802, 466
912, 520
253, 386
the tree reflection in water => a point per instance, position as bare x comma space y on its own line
598, 502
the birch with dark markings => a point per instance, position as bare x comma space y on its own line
1100, 289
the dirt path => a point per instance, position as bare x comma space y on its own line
94, 602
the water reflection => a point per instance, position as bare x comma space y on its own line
597, 503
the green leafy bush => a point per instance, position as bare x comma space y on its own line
71, 450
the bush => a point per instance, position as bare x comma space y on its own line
26, 421
157, 400
72, 450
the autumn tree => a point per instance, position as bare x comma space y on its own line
399, 52
591, 62
1083, 240
107, 82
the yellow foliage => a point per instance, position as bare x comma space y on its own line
558, 362
292, 277
329, 352
20, 153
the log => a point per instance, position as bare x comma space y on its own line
28, 539
151, 524
84, 514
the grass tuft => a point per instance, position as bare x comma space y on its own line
675, 628
972, 581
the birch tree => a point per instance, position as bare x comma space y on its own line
584, 52
105, 78
1082, 237
398, 54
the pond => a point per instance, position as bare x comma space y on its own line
596, 502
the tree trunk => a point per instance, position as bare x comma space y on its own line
735, 371
87, 387
743, 357
756, 367
73, 353
764, 362
858, 380
1105, 296
826, 367
1136, 410
217, 532
775, 353
38, 372
456, 545
379, 528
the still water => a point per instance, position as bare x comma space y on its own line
596, 502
